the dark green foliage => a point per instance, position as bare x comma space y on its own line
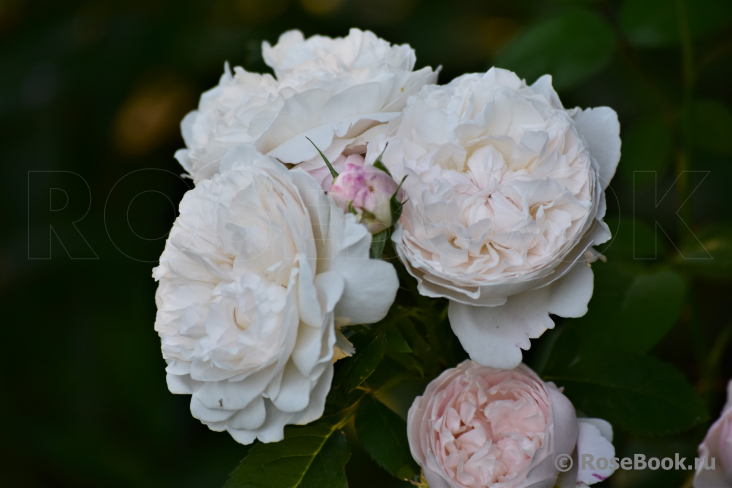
310, 456
571, 47
383, 434
639, 394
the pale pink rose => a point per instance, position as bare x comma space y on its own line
368, 190
477, 427
716, 451
323, 175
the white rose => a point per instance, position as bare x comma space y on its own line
337, 92
258, 268
506, 198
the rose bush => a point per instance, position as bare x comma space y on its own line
479, 427
258, 270
506, 200
717, 446
338, 92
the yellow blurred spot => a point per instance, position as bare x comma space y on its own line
150, 115
319, 7
10, 13
478, 38
496, 32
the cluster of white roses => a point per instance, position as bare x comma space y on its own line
503, 193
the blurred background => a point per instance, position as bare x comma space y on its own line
91, 96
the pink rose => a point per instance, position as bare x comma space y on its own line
716, 451
322, 174
368, 190
477, 427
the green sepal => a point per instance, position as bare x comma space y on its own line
350, 208
379, 164
377, 244
330, 166
395, 205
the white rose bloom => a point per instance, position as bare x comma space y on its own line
338, 92
258, 268
506, 198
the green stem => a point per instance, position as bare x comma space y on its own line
683, 160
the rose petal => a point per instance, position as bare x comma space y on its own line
494, 336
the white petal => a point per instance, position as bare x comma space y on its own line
186, 127
601, 130
605, 428
242, 436
233, 395
317, 398
249, 418
371, 287
297, 148
294, 393
591, 442
181, 384
206, 415
494, 336
308, 304
330, 287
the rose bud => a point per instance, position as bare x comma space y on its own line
367, 191
477, 427
715, 452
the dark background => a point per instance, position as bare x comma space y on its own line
91, 95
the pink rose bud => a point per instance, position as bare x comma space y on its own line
480, 427
368, 190
715, 451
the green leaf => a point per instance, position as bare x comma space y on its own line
378, 241
651, 307
383, 434
571, 47
333, 172
396, 340
350, 372
639, 394
655, 23
310, 456
713, 127
647, 148
630, 312
558, 350
632, 239
709, 255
